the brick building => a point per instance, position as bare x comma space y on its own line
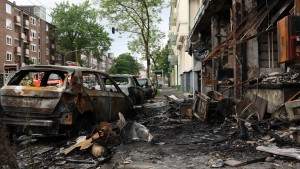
25, 39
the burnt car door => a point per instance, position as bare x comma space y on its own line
118, 100
137, 91
97, 95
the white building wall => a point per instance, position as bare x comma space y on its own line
185, 62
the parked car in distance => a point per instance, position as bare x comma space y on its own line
148, 87
130, 86
75, 104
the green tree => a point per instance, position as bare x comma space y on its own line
160, 61
125, 64
77, 29
136, 45
137, 17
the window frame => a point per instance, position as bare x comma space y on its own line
8, 26
47, 52
8, 8
33, 20
33, 47
7, 54
33, 34
8, 37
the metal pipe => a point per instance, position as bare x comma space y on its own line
272, 43
269, 53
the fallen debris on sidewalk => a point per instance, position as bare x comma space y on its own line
289, 152
133, 131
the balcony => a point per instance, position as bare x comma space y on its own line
18, 50
22, 35
172, 21
172, 39
52, 46
173, 3
18, 20
30, 38
26, 24
174, 60
26, 52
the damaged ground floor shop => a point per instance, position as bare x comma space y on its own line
177, 139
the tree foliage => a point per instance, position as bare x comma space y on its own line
160, 59
77, 29
137, 17
125, 64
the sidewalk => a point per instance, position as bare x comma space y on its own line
169, 91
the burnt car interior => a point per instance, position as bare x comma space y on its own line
39, 78
91, 81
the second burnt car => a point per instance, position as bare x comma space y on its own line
130, 86
76, 104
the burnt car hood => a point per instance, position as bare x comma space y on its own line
31, 100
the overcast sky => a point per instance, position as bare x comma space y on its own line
119, 44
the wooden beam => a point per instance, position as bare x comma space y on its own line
297, 8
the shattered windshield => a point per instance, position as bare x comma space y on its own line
36, 78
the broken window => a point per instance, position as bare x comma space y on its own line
91, 81
39, 78
110, 85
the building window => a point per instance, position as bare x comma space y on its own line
47, 27
8, 8
33, 20
47, 39
33, 47
8, 24
33, 59
47, 51
8, 56
33, 34
8, 40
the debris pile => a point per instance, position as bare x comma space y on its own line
275, 132
84, 151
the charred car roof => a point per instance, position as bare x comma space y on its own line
62, 68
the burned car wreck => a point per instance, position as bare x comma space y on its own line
130, 86
77, 102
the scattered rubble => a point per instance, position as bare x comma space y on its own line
231, 132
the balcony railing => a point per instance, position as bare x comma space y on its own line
199, 13
18, 50
22, 35
172, 21
26, 51
172, 38
18, 19
173, 3
26, 23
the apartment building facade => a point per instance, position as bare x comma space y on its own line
232, 41
181, 63
107, 61
26, 39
